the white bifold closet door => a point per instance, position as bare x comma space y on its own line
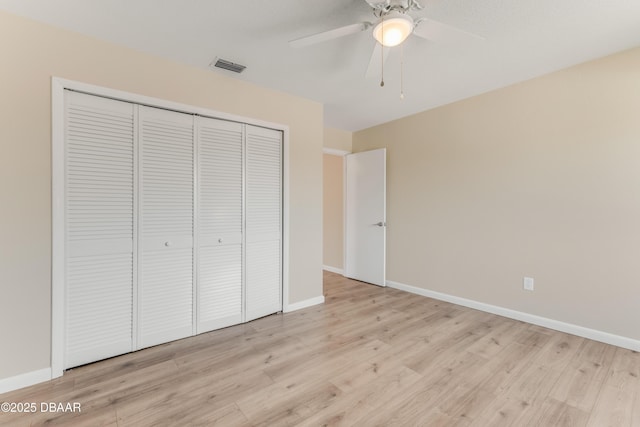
99, 228
263, 222
172, 225
165, 290
220, 223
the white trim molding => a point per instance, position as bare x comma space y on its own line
304, 304
557, 325
24, 380
335, 152
333, 269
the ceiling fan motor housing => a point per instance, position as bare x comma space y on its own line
384, 7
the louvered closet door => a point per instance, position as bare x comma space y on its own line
165, 290
263, 222
99, 228
220, 223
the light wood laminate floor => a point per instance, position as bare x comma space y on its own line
369, 356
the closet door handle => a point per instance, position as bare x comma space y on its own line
167, 243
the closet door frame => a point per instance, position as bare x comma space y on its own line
58, 276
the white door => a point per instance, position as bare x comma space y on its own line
264, 222
365, 216
219, 296
99, 228
165, 289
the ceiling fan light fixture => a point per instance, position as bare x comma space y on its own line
393, 29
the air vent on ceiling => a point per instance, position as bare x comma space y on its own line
227, 65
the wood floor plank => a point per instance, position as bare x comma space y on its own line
363, 374
345, 411
558, 414
520, 398
617, 397
338, 357
466, 403
420, 398
365, 399
614, 407
288, 404
635, 415
494, 340
503, 370
504, 411
583, 379
369, 356
625, 369
185, 399
559, 351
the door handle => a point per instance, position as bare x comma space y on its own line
381, 224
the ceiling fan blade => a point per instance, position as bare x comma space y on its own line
329, 35
375, 63
436, 30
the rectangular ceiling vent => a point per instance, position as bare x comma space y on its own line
228, 65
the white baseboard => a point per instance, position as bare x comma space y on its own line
24, 380
304, 304
557, 325
333, 269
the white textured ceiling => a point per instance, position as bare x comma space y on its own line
522, 39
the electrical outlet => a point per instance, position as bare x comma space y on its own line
527, 283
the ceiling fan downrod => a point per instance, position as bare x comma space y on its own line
382, 55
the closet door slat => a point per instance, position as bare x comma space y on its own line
165, 290
99, 215
220, 223
263, 222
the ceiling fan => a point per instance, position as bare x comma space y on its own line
392, 27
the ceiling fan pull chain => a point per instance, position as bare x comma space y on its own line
402, 71
382, 54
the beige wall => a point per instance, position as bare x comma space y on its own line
333, 211
332, 207
337, 139
31, 54
539, 179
